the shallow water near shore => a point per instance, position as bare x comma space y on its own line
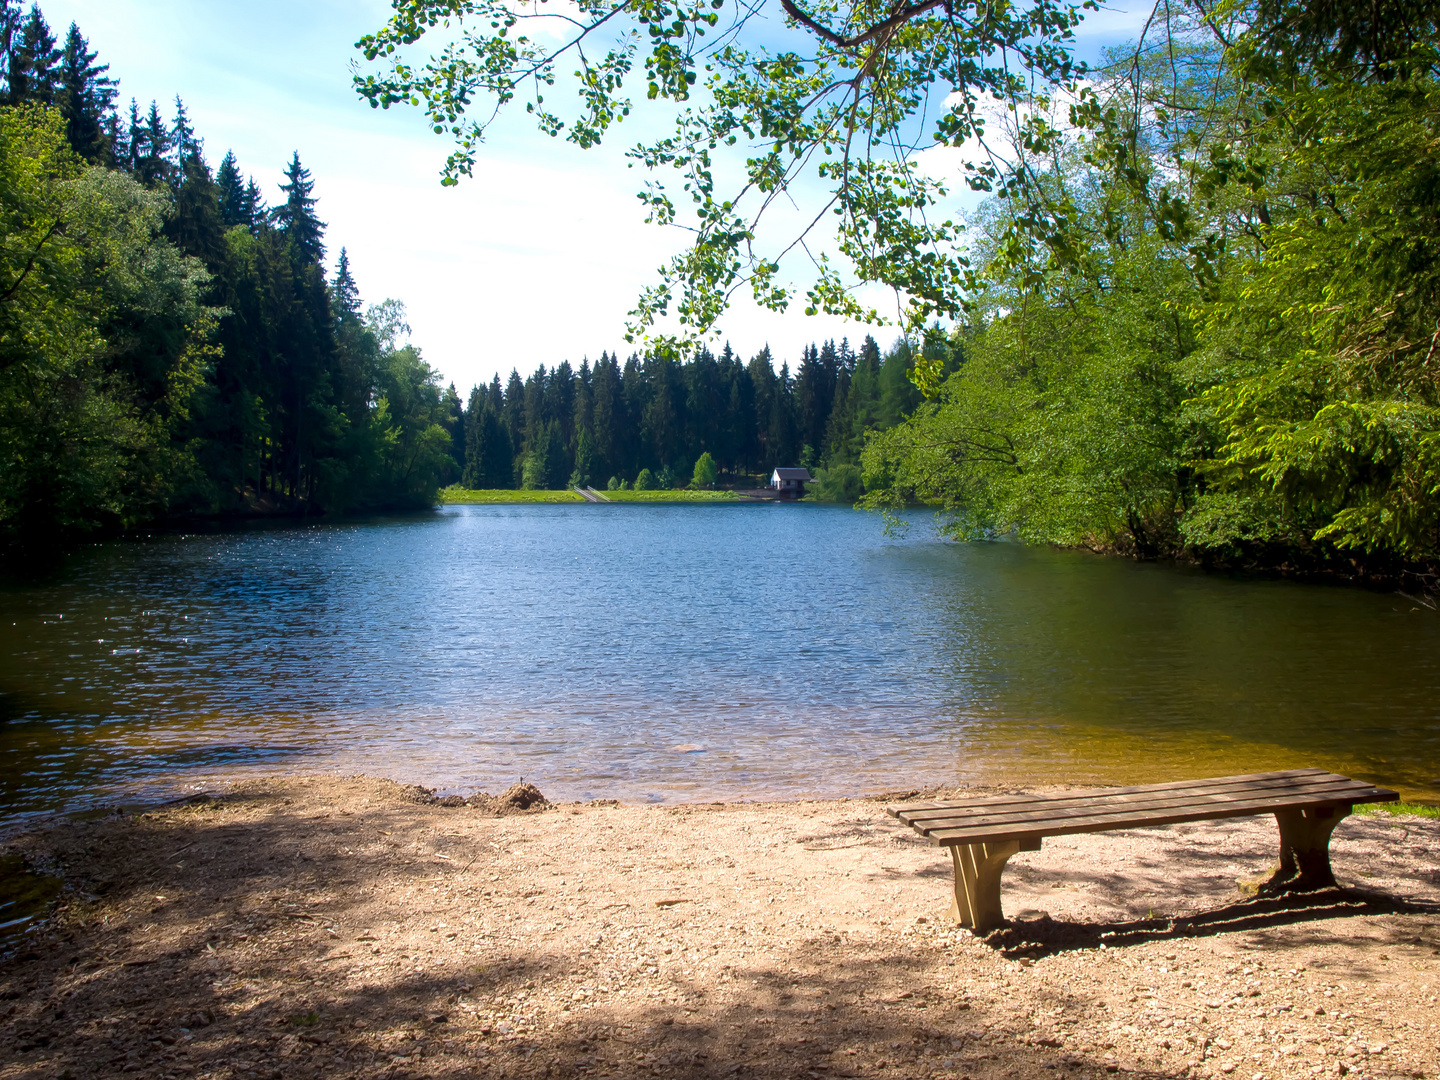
686, 653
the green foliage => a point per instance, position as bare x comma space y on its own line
645, 481
829, 104
705, 473
843, 483
1228, 352
103, 339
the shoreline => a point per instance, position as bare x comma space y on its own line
352, 927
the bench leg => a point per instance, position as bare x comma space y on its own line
977, 883
1305, 849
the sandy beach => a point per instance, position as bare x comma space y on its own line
350, 927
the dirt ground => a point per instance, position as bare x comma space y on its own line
326, 928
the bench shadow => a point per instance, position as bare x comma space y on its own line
1044, 936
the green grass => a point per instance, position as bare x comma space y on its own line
1411, 809
457, 494
680, 495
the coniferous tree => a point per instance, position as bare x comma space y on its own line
154, 166
344, 291
295, 217
606, 419
182, 136
87, 100
33, 64
135, 142
230, 192
783, 446
497, 456
252, 207
515, 411
195, 223
117, 138
11, 19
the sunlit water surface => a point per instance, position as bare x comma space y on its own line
678, 653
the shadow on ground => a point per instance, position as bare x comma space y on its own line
260, 937
1035, 938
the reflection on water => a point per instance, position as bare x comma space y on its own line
684, 652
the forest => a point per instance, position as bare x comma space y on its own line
171, 345
649, 419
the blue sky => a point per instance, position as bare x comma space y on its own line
535, 260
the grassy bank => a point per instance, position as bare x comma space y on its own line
456, 494
674, 495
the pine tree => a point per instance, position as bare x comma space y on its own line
136, 141
497, 469
253, 209
87, 100
182, 136
33, 64
810, 396
781, 445
295, 217
230, 191
11, 19
865, 391
605, 418
195, 223
344, 293
556, 457
117, 137
515, 411
154, 167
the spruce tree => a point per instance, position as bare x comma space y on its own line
33, 64
195, 223
605, 420
230, 191
154, 167
344, 293
253, 209
182, 136
295, 217
87, 100
117, 137
135, 141
497, 459
515, 410
474, 448
11, 18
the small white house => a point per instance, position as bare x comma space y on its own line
790, 481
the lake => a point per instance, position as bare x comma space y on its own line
678, 653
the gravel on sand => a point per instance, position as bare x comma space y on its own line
351, 927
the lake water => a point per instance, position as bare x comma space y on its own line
680, 653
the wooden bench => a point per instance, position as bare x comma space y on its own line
982, 834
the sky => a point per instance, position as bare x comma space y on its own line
537, 259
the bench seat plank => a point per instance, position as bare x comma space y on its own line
983, 833
1104, 821
1061, 816
1226, 786
1143, 789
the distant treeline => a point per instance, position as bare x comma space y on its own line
168, 342
616, 420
